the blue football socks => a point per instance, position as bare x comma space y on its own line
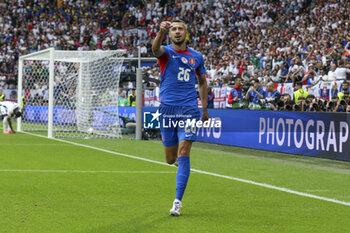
183, 172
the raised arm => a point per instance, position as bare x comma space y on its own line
157, 49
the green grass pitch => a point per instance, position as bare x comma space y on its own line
45, 186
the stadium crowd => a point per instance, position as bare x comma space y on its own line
247, 44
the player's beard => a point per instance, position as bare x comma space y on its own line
179, 43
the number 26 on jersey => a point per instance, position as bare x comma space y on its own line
184, 74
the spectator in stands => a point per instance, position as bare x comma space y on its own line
236, 95
274, 77
311, 79
2, 80
143, 50
132, 98
281, 74
123, 101
345, 90
292, 71
299, 92
322, 76
341, 72
211, 97
237, 37
106, 98
120, 91
254, 94
299, 72
332, 73
2, 96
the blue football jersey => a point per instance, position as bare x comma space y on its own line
178, 76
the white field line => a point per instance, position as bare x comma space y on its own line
78, 171
34, 144
208, 173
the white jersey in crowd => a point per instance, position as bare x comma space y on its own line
340, 73
7, 107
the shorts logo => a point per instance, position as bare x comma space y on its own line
184, 60
151, 120
192, 61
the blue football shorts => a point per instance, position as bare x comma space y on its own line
174, 125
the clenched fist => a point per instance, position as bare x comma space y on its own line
164, 26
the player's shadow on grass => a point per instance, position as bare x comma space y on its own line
137, 224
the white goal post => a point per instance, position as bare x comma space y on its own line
70, 93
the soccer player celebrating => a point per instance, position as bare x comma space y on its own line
9, 110
180, 66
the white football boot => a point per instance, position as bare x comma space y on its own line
175, 211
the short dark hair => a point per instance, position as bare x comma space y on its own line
298, 84
238, 77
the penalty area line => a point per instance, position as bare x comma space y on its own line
286, 190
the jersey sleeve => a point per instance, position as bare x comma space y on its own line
162, 60
166, 50
165, 55
201, 68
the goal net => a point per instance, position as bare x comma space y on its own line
70, 93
